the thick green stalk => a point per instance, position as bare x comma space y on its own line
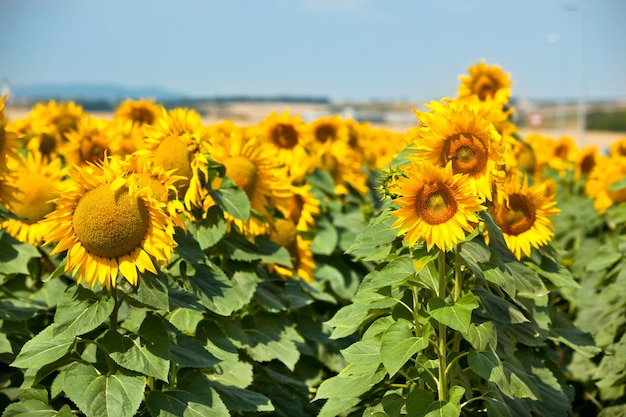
443, 351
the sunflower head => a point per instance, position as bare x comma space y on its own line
486, 82
109, 225
284, 233
524, 215
138, 112
435, 206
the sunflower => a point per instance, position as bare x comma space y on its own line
380, 147
174, 143
564, 155
253, 166
524, 156
62, 117
8, 141
328, 129
35, 185
109, 225
458, 133
138, 112
543, 150
600, 179
524, 215
588, 158
284, 233
302, 207
287, 134
618, 148
486, 81
89, 142
344, 164
435, 205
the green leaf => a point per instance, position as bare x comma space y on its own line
31, 408
482, 336
565, 332
337, 406
326, 238
442, 409
218, 293
183, 403
240, 399
417, 402
363, 352
151, 291
395, 273
456, 316
604, 258
512, 382
617, 185
188, 247
352, 382
58, 271
378, 233
209, 230
14, 255
237, 247
189, 353
43, 349
232, 199
399, 344
271, 252
348, 319
96, 395
80, 311
147, 352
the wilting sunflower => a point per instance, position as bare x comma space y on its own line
458, 133
284, 233
109, 225
436, 206
524, 215
89, 142
174, 143
35, 184
287, 134
253, 166
486, 81
600, 180
138, 112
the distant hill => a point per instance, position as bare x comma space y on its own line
92, 92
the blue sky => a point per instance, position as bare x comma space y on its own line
346, 50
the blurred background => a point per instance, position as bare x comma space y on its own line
369, 60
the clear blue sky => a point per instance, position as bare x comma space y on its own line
410, 50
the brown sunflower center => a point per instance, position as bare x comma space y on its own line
296, 205
325, 132
65, 122
587, 164
92, 150
174, 153
469, 154
561, 151
435, 203
243, 171
141, 115
485, 87
110, 223
519, 216
284, 136
47, 144
36, 191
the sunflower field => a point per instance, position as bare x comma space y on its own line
154, 265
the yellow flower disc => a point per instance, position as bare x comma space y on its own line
284, 135
468, 154
110, 223
36, 191
435, 203
243, 172
173, 153
518, 217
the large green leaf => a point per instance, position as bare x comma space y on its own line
399, 344
35, 408
513, 382
395, 273
378, 233
209, 230
14, 255
240, 399
188, 247
80, 310
184, 404
96, 395
151, 291
220, 294
189, 353
232, 199
456, 316
147, 352
326, 238
363, 352
482, 336
271, 252
43, 349
417, 402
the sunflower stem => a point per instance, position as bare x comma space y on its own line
116, 307
443, 381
